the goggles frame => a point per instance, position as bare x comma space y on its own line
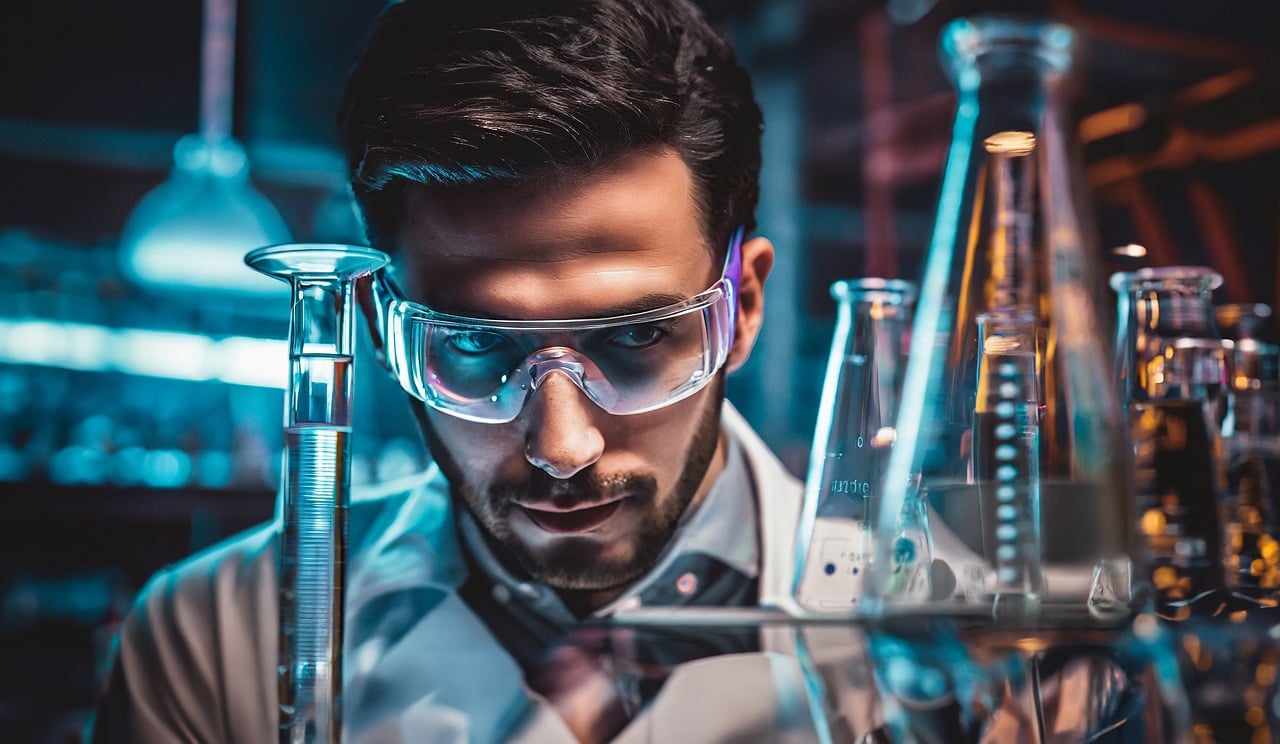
397, 322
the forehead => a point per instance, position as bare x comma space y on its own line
561, 248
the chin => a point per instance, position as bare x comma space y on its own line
582, 564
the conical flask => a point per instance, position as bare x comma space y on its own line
1177, 401
1009, 428
852, 439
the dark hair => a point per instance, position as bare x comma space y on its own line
460, 92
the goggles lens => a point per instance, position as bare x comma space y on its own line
487, 370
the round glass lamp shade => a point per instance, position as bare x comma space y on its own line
193, 230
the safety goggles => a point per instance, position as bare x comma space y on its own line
486, 370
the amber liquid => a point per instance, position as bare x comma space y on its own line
1179, 504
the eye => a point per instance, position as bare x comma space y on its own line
638, 336
476, 342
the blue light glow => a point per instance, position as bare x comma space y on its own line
238, 360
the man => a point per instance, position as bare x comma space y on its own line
567, 188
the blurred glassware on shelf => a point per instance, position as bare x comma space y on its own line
1255, 363
852, 439
1227, 665
1176, 395
1008, 426
1243, 320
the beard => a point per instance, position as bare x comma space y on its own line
577, 563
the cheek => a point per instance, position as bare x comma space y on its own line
484, 452
660, 440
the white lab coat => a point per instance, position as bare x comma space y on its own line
196, 658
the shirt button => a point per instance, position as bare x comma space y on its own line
501, 593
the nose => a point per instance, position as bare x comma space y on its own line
562, 437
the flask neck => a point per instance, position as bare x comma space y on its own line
873, 320
1000, 58
879, 308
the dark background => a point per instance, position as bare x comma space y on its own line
858, 115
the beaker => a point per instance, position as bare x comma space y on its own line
852, 439
316, 488
1176, 397
1044, 489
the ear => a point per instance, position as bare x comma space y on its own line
757, 262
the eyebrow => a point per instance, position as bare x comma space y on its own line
651, 301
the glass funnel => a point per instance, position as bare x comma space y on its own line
1009, 428
852, 440
316, 490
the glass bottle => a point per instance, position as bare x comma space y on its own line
1251, 458
1177, 404
852, 438
1009, 428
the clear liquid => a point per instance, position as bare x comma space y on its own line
1006, 458
321, 390
312, 571
1009, 501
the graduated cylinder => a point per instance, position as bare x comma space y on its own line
315, 492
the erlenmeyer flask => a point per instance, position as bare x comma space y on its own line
852, 439
1177, 402
1009, 427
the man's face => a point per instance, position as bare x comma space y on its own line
581, 499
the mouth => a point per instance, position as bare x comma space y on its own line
571, 521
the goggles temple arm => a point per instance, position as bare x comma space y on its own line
732, 274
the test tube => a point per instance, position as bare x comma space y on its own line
1006, 455
315, 492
